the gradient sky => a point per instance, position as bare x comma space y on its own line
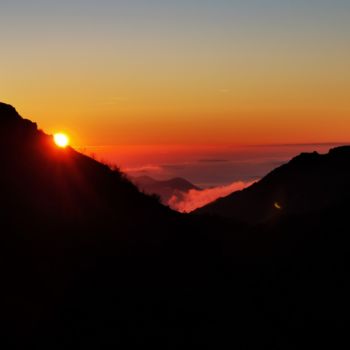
155, 72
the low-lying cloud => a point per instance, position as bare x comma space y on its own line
144, 169
186, 202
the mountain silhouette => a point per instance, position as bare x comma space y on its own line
90, 262
309, 183
165, 189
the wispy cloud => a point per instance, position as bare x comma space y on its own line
187, 202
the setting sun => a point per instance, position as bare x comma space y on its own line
61, 140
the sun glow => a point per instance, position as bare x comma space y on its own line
277, 206
61, 140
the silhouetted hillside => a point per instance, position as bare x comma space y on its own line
164, 189
54, 180
308, 184
89, 262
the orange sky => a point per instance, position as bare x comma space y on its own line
186, 72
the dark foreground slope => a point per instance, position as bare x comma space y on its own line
308, 184
89, 262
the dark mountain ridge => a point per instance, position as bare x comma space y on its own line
87, 261
310, 182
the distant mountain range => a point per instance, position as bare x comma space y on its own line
165, 189
87, 261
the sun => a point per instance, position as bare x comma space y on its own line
61, 140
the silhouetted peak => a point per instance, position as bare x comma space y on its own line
165, 189
305, 158
180, 181
11, 123
340, 151
8, 112
308, 183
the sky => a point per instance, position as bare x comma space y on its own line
167, 75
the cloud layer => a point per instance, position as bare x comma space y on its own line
187, 202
